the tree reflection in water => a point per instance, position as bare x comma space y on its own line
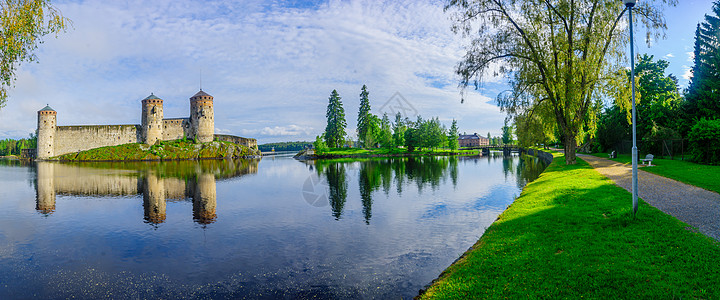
422, 172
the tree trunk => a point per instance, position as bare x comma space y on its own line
570, 149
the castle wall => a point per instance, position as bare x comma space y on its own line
70, 139
252, 143
177, 128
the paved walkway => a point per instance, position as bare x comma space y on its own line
690, 204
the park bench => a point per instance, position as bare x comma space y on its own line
648, 158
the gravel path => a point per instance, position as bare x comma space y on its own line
690, 204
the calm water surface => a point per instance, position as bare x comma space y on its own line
270, 228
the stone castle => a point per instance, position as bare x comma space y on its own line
56, 140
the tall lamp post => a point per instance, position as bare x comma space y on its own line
629, 4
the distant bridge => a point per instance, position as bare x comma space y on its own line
506, 149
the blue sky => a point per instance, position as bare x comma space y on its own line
270, 65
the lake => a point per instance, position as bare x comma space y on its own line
270, 228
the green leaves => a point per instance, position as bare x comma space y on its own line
705, 142
554, 53
24, 23
703, 95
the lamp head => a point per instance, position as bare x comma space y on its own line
629, 3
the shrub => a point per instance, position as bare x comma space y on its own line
705, 142
653, 140
319, 144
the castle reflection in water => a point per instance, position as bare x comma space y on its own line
158, 182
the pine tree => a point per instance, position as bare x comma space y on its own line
335, 129
363, 115
703, 95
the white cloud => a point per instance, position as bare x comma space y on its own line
669, 55
687, 75
270, 68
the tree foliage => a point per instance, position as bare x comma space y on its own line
453, 135
399, 130
705, 141
659, 98
24, 23
703, 94
336, 124
14, 147
556, 54
363, 115
319, 143
385, 137
425, 134
507, 134
285, 146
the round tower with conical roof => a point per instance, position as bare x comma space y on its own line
47, 126
202, 117
152, 119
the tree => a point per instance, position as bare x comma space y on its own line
24, 23
507, 135
452, 139
372, 131
613, 128
335, 129
399, 131
435, 133
319, 144
703, 94
659, 97
363, 115
554, 53
385, 137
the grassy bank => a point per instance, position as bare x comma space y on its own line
571, 234
704, 176
164, 150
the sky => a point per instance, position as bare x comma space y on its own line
271, 65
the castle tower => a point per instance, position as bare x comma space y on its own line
47, 126
152, 119
202, 117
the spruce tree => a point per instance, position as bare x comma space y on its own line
399, 131
335, 129
452, 141
363, 115
703, 98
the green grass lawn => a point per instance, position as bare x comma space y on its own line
704, 176
571, 235
360, 152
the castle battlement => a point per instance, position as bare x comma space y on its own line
56, 140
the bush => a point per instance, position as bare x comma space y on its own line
653, 140
319, 144
705, 142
